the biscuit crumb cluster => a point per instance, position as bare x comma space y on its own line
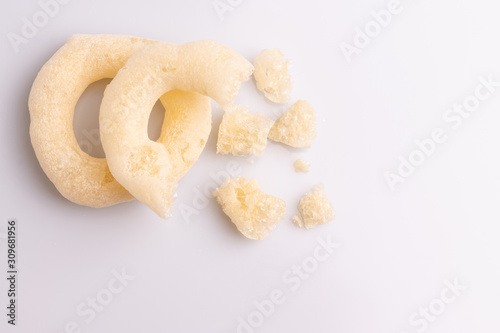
242, 133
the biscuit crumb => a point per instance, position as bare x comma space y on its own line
271, 75
296, 127
315, 208
254, 212
301, 166
298, 221
243, 133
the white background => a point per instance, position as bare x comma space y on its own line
397, 248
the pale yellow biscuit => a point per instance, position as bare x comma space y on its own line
143, 167
84, 59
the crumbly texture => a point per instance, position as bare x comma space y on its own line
271, 75
296, 127
301, 166
242, 133
254, 213
204, 67
298, 221
315, 208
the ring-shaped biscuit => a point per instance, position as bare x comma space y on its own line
142, 166
85, 59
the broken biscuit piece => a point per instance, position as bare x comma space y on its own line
298, 221
144, 167
242, 133
296, 127
254, 212
271, 75
301, 166
315, 209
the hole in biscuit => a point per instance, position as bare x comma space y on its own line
86, 119
155, 121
